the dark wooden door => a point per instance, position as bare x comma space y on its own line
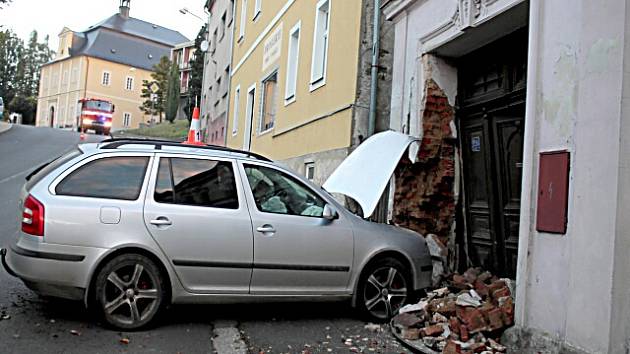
491, 121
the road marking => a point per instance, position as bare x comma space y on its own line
14, 176
227, 339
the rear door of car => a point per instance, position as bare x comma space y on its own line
195, 209
296, 250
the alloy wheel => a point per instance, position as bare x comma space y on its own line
385, 292
131, 295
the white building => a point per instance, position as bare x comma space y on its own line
493, 86
216, 82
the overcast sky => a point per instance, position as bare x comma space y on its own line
50, 16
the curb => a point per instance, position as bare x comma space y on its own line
5, 127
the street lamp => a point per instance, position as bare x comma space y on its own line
185, 11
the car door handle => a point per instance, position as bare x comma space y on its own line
161, 221
266, 229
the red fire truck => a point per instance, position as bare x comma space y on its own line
96, 114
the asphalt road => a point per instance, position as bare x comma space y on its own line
38, 325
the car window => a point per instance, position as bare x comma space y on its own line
196, 182
111, 178
278, 193
44, 169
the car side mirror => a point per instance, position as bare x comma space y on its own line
329, 213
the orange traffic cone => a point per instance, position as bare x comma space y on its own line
194, 134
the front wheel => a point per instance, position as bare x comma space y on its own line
383, 289
129, 291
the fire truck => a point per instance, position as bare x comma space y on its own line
96, 114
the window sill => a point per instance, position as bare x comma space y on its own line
265, 132
317, 84
289, 100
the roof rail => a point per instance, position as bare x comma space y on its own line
114, 143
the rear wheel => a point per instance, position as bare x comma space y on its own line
129, 291
383, 289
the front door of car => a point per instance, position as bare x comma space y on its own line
195, 209
296, 250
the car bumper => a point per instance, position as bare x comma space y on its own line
51, 270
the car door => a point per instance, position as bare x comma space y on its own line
195, 210
296, 250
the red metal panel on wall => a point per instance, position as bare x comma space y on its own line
553, 192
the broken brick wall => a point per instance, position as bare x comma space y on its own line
424, 199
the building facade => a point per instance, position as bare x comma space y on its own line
523, 166
300, 81
217, 64
183, 54
108, 61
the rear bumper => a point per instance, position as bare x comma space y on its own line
51, 270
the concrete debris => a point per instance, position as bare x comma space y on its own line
466, 316
439, 255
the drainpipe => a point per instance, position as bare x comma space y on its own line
376, 42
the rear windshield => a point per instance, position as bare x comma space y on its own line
43, 170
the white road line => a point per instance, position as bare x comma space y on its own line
14, 176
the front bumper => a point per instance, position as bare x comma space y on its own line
49, 269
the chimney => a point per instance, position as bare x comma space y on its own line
124, 8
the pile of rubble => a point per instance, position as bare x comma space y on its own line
468, 315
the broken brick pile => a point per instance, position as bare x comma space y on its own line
466, 316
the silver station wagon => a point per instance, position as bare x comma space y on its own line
130, 226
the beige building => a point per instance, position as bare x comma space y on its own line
108, 61
301, 81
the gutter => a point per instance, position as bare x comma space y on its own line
376, 43
229, 81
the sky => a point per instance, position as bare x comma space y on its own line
49, 17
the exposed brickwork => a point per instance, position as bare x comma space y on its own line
424, 199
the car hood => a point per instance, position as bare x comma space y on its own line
364, 174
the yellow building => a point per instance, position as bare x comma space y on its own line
300, 81
107, 61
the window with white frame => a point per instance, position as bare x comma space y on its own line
309, 170
241, 27
237, 102
268, 106
320, 43
129, 83
257, 8
126, 119
292, 63
106, 79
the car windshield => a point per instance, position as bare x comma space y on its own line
99, 105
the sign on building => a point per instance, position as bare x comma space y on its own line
272, 48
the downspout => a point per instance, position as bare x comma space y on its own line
376, 43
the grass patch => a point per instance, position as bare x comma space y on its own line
177, 130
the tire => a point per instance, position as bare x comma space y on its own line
129, 291
384, 287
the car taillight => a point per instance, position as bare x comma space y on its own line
33, 217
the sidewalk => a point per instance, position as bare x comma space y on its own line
4, 127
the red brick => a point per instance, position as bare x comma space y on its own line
495, 319
481, 288
463, 333
452, 348
411, 333
502, 292
444, 306
474, 320
496, 285
454, 324
434, 330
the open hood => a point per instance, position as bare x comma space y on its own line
364, 174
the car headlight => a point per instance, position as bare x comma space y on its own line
108, 123
87, 121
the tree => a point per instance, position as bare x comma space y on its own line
195, 82
11, 48
160, 77
26, 106
4, 2
172, 93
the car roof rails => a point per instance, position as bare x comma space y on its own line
114, 143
